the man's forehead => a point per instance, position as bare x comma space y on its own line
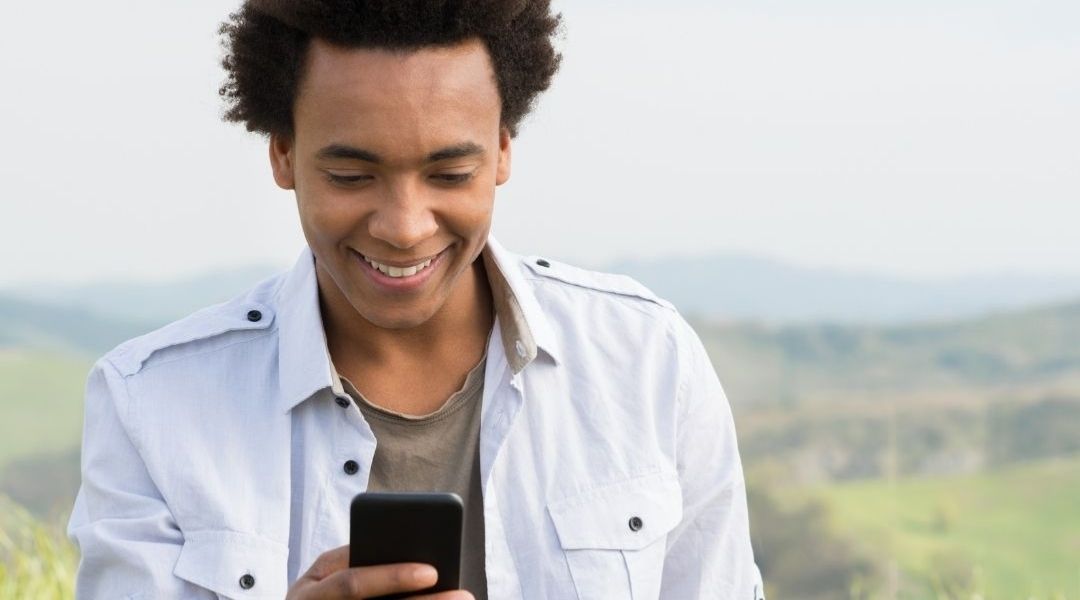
401, 106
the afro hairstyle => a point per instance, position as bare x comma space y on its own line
265, 42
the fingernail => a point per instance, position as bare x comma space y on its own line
425, 573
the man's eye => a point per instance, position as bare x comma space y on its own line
344, 179
452, 177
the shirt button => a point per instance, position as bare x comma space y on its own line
342, 402
542, 262
247, 581
520, 347
636, 523
254, 315
351, 467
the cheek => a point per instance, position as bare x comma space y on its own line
327, 216
473, 216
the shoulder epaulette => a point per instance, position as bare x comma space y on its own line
202, 325
614, 283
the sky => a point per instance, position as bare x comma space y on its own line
919, 138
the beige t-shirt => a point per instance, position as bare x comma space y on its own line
437, 452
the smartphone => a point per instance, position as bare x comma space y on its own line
394, 527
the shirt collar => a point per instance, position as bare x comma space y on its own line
304, 365
524, 327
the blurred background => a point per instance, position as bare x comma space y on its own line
867, 210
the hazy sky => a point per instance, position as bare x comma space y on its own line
919, 137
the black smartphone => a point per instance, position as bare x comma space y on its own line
395, 527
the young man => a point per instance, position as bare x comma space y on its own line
575, 412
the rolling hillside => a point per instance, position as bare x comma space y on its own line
1034, 349
1012, 533
875, 449
823, 403
58, 328
149, 302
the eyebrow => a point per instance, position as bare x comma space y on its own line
352, 153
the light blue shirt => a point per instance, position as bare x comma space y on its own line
213, 449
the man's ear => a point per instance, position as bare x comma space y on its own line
502, 170
282, 161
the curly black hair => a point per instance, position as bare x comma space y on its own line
265, 42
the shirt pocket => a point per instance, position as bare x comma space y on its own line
615, 537
234, 565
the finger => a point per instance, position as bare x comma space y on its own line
379, 580
328, 563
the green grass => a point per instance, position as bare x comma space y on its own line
1013, 533
36, 559
41, 400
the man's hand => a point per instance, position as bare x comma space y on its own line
330, 578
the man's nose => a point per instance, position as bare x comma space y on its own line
403, 218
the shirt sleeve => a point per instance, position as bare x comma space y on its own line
127, 537
709, 553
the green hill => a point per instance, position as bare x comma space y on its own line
32, 325
827, 402
40, 427
1013, 533
40, 402
784, 365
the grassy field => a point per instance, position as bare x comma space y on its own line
36, 559
41, 399
1013, 533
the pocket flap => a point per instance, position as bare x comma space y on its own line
627, 515
234, 564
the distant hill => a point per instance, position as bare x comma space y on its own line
775, 364
718, 287
148, 301
749, 288
833, 402
62, 329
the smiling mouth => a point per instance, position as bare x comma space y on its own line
400, 271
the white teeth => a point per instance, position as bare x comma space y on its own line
399, 271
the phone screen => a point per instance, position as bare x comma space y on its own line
394, 527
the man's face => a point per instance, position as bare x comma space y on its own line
395, 157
